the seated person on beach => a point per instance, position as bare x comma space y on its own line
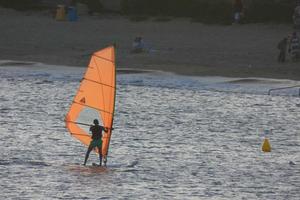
138, 45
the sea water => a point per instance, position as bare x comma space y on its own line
174, 137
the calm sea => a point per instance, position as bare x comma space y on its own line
175, 137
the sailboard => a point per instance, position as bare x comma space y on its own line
95, 98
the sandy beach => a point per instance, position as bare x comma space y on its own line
178, 46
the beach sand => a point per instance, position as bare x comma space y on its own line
178, 46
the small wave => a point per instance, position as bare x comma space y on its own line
255, 80
67, 155
133, 71
133, 164
5, 110
3, 99
54, 139
291, 163
44, 82
37, 163
136, 82
37, 74
23, 162
261, 104
16, 63
194, 173
130, 170
4, 162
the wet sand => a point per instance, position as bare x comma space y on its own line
178, 46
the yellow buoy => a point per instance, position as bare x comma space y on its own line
266, 147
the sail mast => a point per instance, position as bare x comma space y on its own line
113, 111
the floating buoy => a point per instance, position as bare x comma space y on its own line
266, 147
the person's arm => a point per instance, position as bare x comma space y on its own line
106, 129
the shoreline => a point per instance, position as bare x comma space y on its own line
177, 46
126, 70
206, 71
43, 67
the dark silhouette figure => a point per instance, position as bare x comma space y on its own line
294, 47
282, 46
96, 142
237, 10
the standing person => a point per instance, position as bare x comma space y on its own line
96, 142
296, 17
237, 10
282, 46
294, 47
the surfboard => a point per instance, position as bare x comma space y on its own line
95, 98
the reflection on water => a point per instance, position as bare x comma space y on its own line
175, 138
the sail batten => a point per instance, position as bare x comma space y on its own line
98, 82
103, 58
93, 107
95, 94
79, 134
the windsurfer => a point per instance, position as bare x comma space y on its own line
97, 93
96, 142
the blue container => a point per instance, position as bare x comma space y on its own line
72, 14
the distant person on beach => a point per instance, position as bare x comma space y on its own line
96, 142
282, 46
237, 11
294, 47
138, 45
296, 17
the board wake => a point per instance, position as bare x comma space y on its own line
88, 169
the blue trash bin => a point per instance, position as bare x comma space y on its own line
72, 14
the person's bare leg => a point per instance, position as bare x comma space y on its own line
100, 155
87, 154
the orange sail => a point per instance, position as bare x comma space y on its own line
95, 99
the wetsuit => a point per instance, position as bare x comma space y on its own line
96, 135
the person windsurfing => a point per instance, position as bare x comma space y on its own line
96, 142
